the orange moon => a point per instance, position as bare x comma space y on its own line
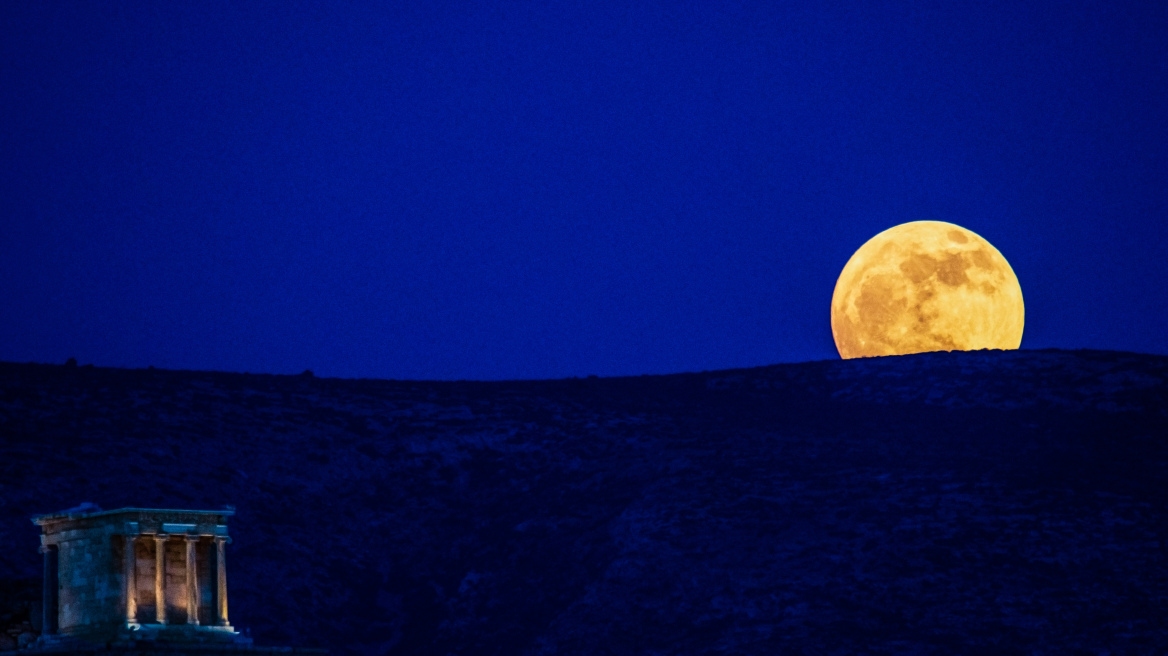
926, 286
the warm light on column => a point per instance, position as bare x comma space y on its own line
159, 577
192, 582
221, 580
131, 576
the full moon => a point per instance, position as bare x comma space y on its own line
926, 286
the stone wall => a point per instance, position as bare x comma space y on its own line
90, 590
144, 580
176, 582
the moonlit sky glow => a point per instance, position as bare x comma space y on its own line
497, 190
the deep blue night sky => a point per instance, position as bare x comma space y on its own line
497, 190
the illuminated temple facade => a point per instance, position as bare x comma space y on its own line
110, 573
138, 576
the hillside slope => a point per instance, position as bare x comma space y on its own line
987, 502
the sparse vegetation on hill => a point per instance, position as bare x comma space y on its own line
988, 502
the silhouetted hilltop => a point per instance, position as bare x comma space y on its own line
986, 502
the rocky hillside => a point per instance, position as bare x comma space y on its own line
987, 502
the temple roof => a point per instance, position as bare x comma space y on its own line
89, 511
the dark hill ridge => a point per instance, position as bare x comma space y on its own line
988, 502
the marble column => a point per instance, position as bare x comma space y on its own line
160, 577
192, 581
221, 582
131, 582
49, 591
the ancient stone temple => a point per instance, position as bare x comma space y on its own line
135, 577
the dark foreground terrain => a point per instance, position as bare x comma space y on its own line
988, 503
